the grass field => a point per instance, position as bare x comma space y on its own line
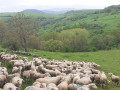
109, 61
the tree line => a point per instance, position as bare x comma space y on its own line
22, 33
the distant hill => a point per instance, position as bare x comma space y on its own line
48, 12
32, 11
112, 9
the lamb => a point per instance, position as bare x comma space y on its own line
72, 87
114, 78
88, 87
10, 86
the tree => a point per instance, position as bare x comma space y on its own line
80, 39
108, 40
75, 39
24, 27
3, 28
53, 45
98, 42
50, 35
116, 36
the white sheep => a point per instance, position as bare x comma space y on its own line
17, 81
10, 86
114, 78
103, 79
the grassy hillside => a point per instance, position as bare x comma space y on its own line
93, 20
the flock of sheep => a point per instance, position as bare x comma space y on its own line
51, 75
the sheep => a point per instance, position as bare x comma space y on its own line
39, 75
76, 78
72, 87
97, 78
17, 81
10, 76
33, 66
27, 65
114, 78
0, 64
51, 72
17, 69
88, 87
43, 85
48, 80
3, 69
18, 63
68, 78
26, 74
37, 84
10, 86
51, 66
52, 86
95, 71
84, 81
2, 80
37, 61
103, 80
63, 86
25, 59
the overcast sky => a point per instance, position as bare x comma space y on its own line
19, 5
